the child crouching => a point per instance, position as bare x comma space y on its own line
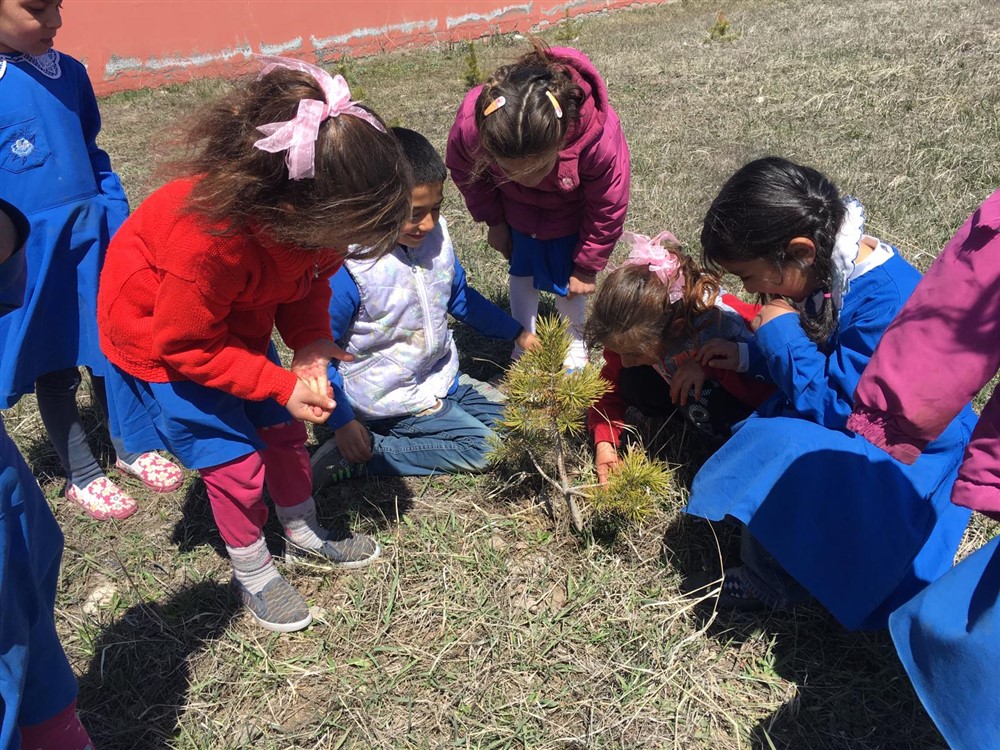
402, 408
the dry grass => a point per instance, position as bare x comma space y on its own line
485, 625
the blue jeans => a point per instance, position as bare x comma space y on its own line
452, 440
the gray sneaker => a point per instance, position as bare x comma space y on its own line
329, 465
278, 607
342, 549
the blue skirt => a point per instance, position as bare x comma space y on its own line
862, 532
548, 262
201, 426
948, 638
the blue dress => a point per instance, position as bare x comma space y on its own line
52, 169
862, 532
948, 638
36, 681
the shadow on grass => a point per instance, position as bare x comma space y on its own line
135, 688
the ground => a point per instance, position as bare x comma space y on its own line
486, 624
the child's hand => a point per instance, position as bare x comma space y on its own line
354, 442
498, 236
719, 353
581, 283
527, 341
310, 363
773, 309
307, 405
605, 460
689, 375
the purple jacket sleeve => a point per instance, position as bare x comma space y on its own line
481, 196
605, 174
942, 347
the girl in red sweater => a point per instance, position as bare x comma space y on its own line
287, 173
653, 315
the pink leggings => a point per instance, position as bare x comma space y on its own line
235, 488
62, 732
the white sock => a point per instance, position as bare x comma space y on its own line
301, 525
574, 310
523, 306
253, 566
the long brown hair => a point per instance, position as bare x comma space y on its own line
360, 194
632, 311
527, 124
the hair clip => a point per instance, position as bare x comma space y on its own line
494, 105
555, 104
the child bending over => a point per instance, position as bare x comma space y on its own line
401, 408
652, 315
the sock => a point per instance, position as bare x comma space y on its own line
253, 566
523, 306
575, 311
300, 524
62, 732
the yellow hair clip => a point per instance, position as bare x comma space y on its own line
555, 104
494, 105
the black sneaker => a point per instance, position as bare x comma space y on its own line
329, 465
739, 593
342, 549
277, 607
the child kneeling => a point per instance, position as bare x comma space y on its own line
402, 408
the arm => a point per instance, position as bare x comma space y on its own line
107, 181
953, 316
470, 307
820, 386
604, 177
13, 269
479, 191
606, 418
345, 301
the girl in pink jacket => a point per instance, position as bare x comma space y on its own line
539, 156
939, 351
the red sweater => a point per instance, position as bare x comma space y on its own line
606, 418
179, 303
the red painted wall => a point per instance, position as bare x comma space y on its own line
130, 44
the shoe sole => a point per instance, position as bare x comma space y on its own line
117, 515
307, 559
281, 627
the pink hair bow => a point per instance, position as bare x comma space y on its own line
649, 251
297, 137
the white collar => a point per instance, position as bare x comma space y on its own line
845, 250
47, 64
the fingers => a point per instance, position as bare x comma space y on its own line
602, 474
338, 353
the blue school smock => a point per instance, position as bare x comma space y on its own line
36, 681
862, 532
948, 638
548, 262
52, 169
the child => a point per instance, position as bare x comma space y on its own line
37, 685
289, 172
51, 167
652, 314
947, 635
540, 157
401, 408
826, 514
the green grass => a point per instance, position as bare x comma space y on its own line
486, 625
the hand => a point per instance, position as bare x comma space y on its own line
354, 442
719, 353
498, 236
770, 311
581, 283
605, 460
307, 405
689, 375
528, 341
310, 362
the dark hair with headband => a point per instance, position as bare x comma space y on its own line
761, 209
525, 108
352, 188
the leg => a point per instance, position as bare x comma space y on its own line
471, 396
574, 309
449, 441
235, 493
523, 305
775, 586
156, 472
